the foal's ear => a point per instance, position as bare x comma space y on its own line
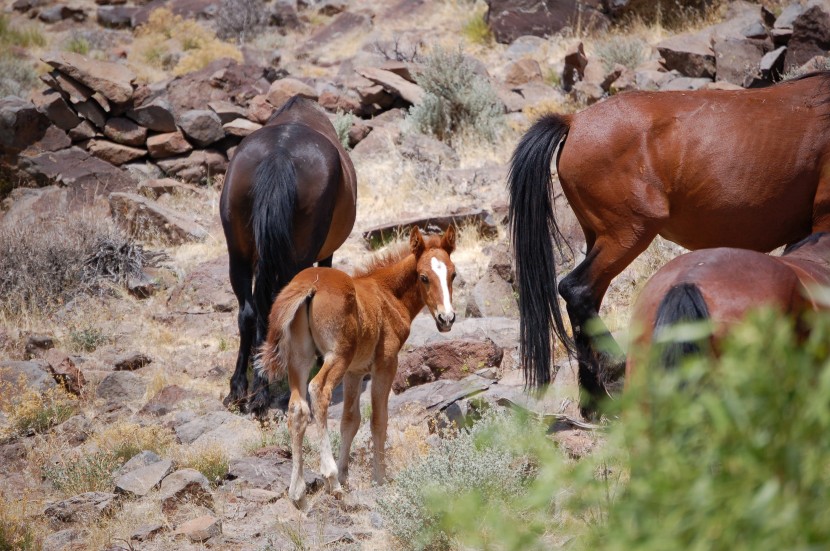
448, 240
416, 242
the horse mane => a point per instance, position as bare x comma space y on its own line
809, 240
383, 259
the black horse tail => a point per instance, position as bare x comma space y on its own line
684, 303
274, 196
534, 233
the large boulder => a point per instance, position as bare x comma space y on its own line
454, 359
201, 126
121, 386
85, 508
810, 37
690, 54
146, 219
510, 19
21, 125
75, 167
113, 80
738, 60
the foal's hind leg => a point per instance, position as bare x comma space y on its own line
600, 358
320, 389
241, 277
382, 378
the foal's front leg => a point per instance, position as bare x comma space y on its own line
320, 389
350, 422
382, 379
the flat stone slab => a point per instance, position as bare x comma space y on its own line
140, 481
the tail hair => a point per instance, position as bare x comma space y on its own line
534, 234
274, 198
684, 303
271, 360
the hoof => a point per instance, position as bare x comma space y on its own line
297, 497
259, 404
233, 402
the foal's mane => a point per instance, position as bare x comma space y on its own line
392, 255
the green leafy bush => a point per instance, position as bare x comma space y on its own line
342, 124
457, 98
718, 454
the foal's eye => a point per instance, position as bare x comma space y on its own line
424, 278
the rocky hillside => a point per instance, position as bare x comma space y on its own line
117, 323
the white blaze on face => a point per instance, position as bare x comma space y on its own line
440, 270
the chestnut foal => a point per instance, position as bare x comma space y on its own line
357, 324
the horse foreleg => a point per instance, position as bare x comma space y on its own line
601, 360
381, 385
350, 422
241, 280
320, 389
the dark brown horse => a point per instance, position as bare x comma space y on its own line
288, 201
722, 285
747, 169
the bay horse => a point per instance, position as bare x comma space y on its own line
722, 285
745, 168
288, 200
358, 325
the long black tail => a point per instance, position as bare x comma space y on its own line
534, 233
684, 303
274, 197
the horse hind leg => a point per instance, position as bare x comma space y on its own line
241, 277
301, 356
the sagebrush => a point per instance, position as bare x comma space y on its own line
240, 20
457, 98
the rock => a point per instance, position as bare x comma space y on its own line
200, 529
272, 474
51, 103
75, 431
156, 187
162, 146
394, 84
72, 90
240, 127
140, 460
115, 17
690, 54
69, 539
21, 125
436, 396
201, 126
124, 131
65, 372
114, 153
358, 132
84, 508
165, 401
425, 149
205, 289
34, 374
227, 111
503, 331
492, 296
143, 218
575, 63
453, 359
195, 167
337, 102
685, 83
82, 132
343, 25
156, 115
140, 481
54, 139
142, 286
73, 167
146, 532
92, 111
510, 19
522, 71
738, 60
221, 428
788, 16
524, 46
58, 13
811, 36
648, 79
184, 486
482, 219
285, 88
259, 110
772, 64
121, 386
113, 80
132, 361
257, 495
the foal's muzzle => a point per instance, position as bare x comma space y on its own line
444, 321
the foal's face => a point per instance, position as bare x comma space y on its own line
436, 273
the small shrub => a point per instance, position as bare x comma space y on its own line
88, 473
240, 19
342, 124
477, 31
456, 99
16, 531
46, 265
628, 51
210, 460
460, 464
17, 76
125, 440
78, 44
29, 411
87, 339
25, 36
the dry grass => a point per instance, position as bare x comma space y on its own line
208, 458
28, 411
124, 439
19, 529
